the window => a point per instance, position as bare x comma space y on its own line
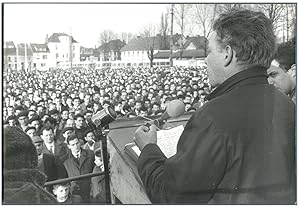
43, 64
15, 59
44, 56
73, 48
57, 55
9, 58
56, 47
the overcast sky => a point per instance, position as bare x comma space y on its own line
31, 22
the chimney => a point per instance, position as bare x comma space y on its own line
46, 39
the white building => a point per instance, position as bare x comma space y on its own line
60, 46
40, 56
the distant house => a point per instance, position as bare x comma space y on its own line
137, 49
193, 53
41, 56
111, 51
15, 56
63, 48
89, 54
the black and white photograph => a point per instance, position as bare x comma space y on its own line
139, 103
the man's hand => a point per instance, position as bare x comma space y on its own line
145, 135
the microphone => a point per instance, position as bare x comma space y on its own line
104, 116
174, 109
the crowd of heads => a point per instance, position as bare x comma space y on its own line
71, 97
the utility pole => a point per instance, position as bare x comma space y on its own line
17, 53
25, 62
171, 40
71, 49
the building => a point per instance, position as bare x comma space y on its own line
89, 54
41, 56
63, 48
138, 50
111, 51
16, 57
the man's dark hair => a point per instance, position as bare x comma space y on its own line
78, 116
72, 137
285, 54
46, 128
250, 34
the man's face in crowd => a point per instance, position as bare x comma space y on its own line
39, 147
68, 133
88, 116
65, 115
90, 137
76, 102
35, 124
10, 111
79, 122
214, 61
138, 105
23, 120
74, 145
69, 102
31, 132
62, 193
48, 136
12, 122
280, 79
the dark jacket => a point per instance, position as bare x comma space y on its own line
239, 148
61, 150
86, 165
25, 186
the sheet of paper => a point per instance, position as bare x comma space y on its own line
136, 150
167, 140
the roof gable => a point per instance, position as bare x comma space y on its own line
39, 48
54, 38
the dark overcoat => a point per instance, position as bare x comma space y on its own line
239, 148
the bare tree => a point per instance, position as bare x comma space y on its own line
164, 30
149, 39
104, 38
126, 36
275, 12
205, 15
290, 20
223, 8
181, 12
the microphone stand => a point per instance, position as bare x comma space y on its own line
105, 161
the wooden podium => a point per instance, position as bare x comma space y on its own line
126, 184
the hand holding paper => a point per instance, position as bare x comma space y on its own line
145, 135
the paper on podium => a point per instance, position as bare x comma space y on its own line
166, 140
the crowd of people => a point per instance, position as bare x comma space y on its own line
55, 108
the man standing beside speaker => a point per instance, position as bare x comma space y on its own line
239, 148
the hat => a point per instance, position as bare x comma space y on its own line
37, 139
67, 129
34, 118
19, 151
12, 117
22, 113
29, 127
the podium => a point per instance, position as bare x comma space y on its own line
126, 184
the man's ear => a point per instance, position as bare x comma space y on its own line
228, 55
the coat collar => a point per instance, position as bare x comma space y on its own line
253, 75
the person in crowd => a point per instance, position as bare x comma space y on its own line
47, 163
79, 127
98, 192
282, 74
30, 131
63, 194
79, 162
53, 147
229, 156
22, 182
65, 133
91, 142
23, 120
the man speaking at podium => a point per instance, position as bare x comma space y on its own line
239, 148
